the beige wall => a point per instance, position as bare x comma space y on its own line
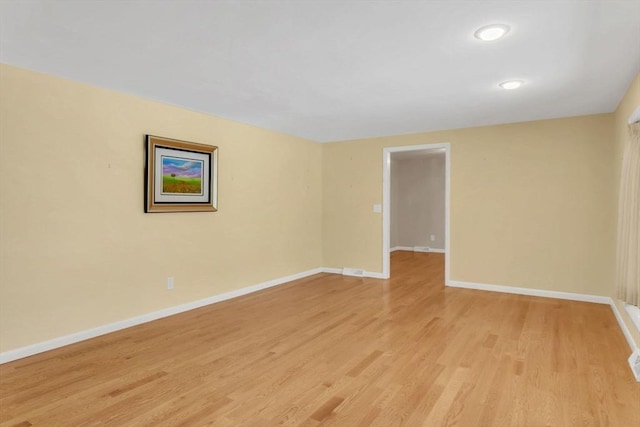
529, 203
531, 206
418, 202
76, 249
628, 104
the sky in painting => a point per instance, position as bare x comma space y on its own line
181, 167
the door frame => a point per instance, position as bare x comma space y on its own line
386, 203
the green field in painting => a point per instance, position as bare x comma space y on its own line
178, 184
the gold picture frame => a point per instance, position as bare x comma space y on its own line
180, 176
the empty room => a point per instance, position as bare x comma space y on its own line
303, 213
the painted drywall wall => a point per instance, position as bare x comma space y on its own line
529, 203
77, 251
394, 199
418, 203
629, 102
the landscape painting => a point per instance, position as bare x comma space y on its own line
181, 176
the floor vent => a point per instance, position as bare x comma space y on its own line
421, 249
356, 272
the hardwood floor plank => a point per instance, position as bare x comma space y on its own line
342, 351
138, 383
327, 409
364, 364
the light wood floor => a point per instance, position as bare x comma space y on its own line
342, 351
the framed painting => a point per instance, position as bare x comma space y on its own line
180, 176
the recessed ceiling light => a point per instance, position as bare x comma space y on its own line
511, 84
492, 32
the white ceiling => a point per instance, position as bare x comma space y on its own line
334, 70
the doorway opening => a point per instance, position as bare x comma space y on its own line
426, 151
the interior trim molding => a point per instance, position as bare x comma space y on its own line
633, 346
412, 249
623, 326
30, 350
371, 274
531, 292
386, 203
331, 270
634, 314
401, 248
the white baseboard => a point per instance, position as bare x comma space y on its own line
623, 326
529, 291
371, 274
634, 314
40, 347
412, 249
627, 334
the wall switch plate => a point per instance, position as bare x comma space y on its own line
377, 208
169, 283
433, 238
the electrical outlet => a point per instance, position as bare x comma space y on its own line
433, 237
169, 283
